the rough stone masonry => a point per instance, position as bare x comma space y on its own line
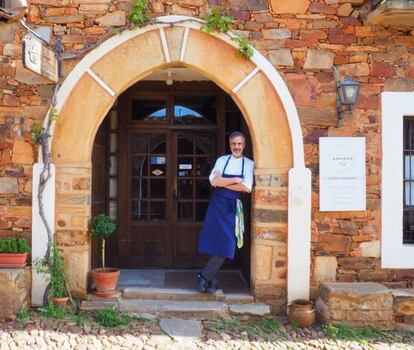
303, 40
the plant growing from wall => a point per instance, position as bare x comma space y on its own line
139, 12
220, 21
35, 132
244, 47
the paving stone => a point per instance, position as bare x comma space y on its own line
249, 309
98, 304
181, 329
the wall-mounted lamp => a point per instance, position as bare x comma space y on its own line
347, 94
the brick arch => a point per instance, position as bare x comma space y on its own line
92, 87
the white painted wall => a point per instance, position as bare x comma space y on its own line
39, 234
394, 254
299, 234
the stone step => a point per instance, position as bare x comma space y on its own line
181, 294
90, 305
197, 309
403, 307
254, 309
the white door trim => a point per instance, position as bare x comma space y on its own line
394, 254
299, 177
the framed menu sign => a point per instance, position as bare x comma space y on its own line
342, 183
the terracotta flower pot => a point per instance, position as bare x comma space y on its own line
61, 301
105, 281
302, 313
13, 259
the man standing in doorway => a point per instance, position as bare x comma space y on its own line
223, 225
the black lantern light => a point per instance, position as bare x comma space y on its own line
347, 95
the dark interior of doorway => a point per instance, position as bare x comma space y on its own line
107, 184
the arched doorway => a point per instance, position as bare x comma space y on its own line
152, 157
281, 199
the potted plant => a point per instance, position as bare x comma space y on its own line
54, 271
58, 291
13, 252
105, 278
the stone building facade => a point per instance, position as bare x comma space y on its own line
301, 39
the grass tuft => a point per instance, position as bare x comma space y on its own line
344, 332
52, 311
112, 318
23, 315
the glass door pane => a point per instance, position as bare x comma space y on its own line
148, 176
195, 159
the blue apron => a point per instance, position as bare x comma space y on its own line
218, 233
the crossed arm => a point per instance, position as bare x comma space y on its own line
234, 183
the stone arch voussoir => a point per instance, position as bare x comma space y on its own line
92, 87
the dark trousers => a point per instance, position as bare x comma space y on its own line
212, 267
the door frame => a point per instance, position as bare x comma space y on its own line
89, 91
160, 90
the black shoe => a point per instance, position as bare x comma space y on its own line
212, 286
202, 283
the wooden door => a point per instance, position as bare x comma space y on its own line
169, 139
99, 185
149, 212
193, 158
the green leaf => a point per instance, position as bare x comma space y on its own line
14, 245
218, 20
35, 132
139, 12
102, 226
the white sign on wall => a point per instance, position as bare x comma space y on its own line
39, 58
342, 184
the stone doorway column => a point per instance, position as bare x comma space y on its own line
281, 201
281, 236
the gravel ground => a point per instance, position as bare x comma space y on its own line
40, 332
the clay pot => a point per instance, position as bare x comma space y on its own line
302, 313
61, 301
105, 281
13, 259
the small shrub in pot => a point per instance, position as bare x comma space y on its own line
105, 278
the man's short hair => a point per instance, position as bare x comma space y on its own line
236, 134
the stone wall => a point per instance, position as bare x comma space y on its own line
303, 40
73, 200
269, 237
15, 290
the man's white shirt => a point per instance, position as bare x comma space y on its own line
234, 167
